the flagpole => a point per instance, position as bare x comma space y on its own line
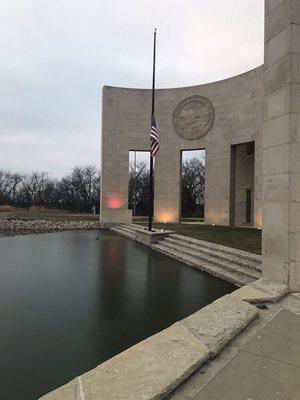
151, 196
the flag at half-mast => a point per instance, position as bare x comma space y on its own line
154, 141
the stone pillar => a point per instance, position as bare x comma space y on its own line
281, 144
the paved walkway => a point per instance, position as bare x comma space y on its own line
262, 364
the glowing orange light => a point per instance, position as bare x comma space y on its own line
114, 203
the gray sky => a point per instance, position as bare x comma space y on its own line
57, 54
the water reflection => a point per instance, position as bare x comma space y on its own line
70, 300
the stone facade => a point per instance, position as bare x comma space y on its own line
260, 106
281, 143
236, 117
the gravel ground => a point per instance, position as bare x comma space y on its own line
19, 227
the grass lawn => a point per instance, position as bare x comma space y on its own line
248, 239
54, 215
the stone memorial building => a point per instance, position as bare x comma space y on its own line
249, 126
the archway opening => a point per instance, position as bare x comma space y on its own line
192, 194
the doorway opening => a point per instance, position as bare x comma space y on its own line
242, 184
192, 193
138, 183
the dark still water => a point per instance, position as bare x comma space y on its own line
71, 300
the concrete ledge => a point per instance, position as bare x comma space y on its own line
149, 370
218, 323
153, 368
148, 238
115, 216
261, 291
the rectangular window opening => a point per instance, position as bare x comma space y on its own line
192, 185
138, 183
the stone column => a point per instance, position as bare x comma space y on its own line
281, 143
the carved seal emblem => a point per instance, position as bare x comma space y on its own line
193, 117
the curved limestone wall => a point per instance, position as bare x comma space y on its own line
213, 117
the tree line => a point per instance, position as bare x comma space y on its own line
192, 188
78, 191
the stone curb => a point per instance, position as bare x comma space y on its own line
156, 366
218, 323
261, 291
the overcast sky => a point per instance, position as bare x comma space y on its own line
57, 54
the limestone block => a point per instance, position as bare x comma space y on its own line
219, 322
277, 47
295, 157
272, 4
70, 391
295, 11
116, 216
277, 103
275, 243
279, 74
251, 295
276, 159
149, 238
295, 38
295, 98
295, 246
149, 370
276, 187
261, 291
295, 216
276, 131
276, 215
294, 281
275, 269
295, 186
271, 286
295, 68
277, 19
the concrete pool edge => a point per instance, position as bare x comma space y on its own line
156, 366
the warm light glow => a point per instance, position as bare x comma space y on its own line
166, 216
258, 220
214, 218
114, 203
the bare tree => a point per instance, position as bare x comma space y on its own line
138, 194
79, 191
193, 188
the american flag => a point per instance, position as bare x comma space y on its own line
154, 146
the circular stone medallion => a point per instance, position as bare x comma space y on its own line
193, 117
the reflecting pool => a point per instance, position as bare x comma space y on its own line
71, 300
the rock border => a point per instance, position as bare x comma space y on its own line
21, 227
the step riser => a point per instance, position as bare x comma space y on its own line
211, 261
234, 258
235, 281
124, 233
201, 252
211, 246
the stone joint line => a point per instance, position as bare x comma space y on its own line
194, 333
81, 394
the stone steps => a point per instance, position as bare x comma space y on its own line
233, 265
121, 230
211, 259
222, 249
214, 253
235, 277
